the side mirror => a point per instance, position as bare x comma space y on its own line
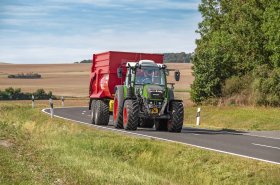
177, 75
119, 72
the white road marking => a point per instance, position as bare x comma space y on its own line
266, 146
196, 134
83, 113
158, 138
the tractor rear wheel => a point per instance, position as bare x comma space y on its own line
101, 112
93, 108
146, 123
118, 109
175, 124
130, 114
161, 125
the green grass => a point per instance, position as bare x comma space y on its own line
235, 117
42, 150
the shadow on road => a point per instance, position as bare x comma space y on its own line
188, 130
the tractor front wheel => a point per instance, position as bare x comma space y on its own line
175, 124
130, 115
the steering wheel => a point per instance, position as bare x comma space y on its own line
147, 80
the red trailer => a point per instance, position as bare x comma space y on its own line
103, 77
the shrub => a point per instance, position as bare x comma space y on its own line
267, 86
25, 76
236, 85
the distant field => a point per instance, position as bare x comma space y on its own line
71, 79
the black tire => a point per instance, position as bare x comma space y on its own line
175, 124
146, 123
101, 112
130, 115
161, 125
93, 108
118, 108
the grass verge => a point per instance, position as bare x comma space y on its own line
35, 149
235, 117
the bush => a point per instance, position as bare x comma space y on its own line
26, 76
267, 86
236, 85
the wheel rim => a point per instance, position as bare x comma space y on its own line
124, 117
116, 104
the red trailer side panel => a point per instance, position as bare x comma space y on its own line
103, 78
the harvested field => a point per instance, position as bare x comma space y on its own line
61, 79
70, 79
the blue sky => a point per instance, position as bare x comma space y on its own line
65, 31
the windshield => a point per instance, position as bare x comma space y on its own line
150, 75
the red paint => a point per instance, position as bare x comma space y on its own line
116, 104
124, 116
106, 64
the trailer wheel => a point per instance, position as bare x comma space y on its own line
93, 108
101, 112
175, 124
118, 109
130, 115
161, 125
146, 123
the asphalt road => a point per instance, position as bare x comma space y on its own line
234, 142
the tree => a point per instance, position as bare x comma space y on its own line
237, 37
271, 27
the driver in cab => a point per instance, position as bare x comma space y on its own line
144, 76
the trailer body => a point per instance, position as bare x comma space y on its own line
103, 77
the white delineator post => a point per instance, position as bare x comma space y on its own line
198, 116
33, 103
62, 101
51, 105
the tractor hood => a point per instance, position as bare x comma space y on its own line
153, 91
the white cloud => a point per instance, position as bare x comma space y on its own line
143, 4
31, 10
57, 49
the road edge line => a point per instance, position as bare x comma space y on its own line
162, 139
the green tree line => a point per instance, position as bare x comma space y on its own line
16, 94
177, 57
238, 52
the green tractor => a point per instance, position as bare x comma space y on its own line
145, 100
